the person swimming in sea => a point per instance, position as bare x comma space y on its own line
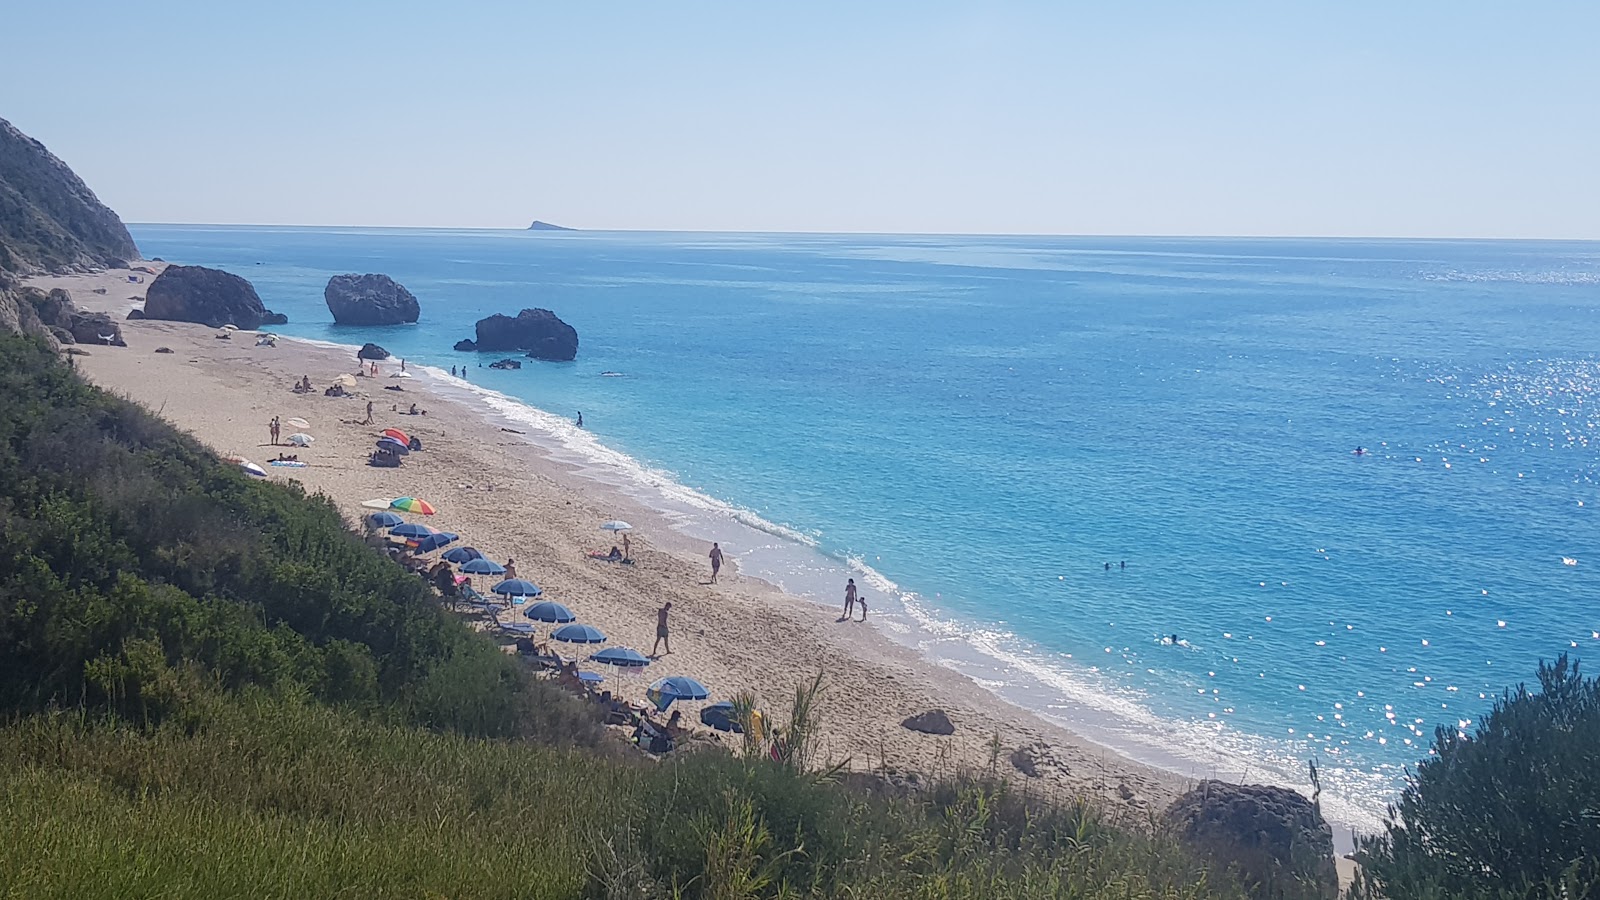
1359, 451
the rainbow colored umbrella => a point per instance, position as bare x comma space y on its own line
413, 505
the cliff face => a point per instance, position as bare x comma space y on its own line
49, 219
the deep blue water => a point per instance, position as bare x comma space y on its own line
982, 423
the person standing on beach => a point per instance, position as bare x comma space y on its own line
368, 420
661, 630
511, 569
402, 364
863, 603
273, 428
849, 598
627, 547
716, 561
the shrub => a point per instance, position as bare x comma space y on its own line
1512, 809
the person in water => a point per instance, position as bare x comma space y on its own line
580, 418
1360, 451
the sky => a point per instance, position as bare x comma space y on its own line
1411, 119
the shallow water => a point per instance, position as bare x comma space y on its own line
976, 426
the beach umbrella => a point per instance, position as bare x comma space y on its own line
621, 657
482, 566
230, 328
400, 375
616, 525
578, 634
393, 446
434, 541
301, 439
413, 505
378, 503
412, 530
297, 422
383, 519
591, 677
517, 587
461, 555
397, 434
253, 469
548, 611
348, 381
675, 687
720, 716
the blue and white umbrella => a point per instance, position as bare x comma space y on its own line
412, 530
482, 566
578, 634
548, 611
677, 687
621, 657
517, 587
462, 555
615, 525
383, 520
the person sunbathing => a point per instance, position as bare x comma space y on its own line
614, 556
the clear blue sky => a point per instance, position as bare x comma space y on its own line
1285, 117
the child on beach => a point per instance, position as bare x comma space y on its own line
862, 602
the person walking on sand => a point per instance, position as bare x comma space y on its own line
368, 420
627, 547
716, 561
849, 599
402, 364
661, 631
274, 429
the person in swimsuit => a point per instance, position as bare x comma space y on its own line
716, 561
511, 569
849, 598
273, 428
661, 630
627, 547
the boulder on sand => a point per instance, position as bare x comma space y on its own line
372, 351
1276, 838
538, 332
934, 721
207, 296
369, 300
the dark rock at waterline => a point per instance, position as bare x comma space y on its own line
537, 332
1276, 838
506, 364
934, 721
466, 346
272, 318
135, 314
207, 296
372, 351
369, 300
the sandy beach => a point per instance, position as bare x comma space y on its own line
512, 499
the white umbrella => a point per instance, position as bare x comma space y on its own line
616, 525
401, 375
301, 439
297, 422
348, 381
253, 469
230, 328
378, 503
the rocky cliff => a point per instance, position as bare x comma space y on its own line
208, 296
369, 300
53, 317
49, 219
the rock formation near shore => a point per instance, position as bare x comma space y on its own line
538, 332
207, 296
369, 300
372, 351
49, 219
1276, 837
54, 317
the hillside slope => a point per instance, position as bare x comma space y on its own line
49, 219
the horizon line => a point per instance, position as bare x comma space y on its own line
1021, 234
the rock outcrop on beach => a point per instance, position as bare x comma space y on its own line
49, 219
369, 300
207, 296
53, 317
934, 721
1274, 836
506, 364
372, 351
538, 332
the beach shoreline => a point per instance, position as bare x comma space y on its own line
513, 497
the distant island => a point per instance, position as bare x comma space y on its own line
546, 226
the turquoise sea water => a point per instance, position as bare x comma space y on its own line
974, 427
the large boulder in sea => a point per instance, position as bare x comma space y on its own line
538, 332
370, 350
1274, 837
207, 296
369, 300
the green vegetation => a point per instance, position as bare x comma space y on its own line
213, 689
1509, 811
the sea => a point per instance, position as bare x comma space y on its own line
1113, 480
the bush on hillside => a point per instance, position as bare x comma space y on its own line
1510, 810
